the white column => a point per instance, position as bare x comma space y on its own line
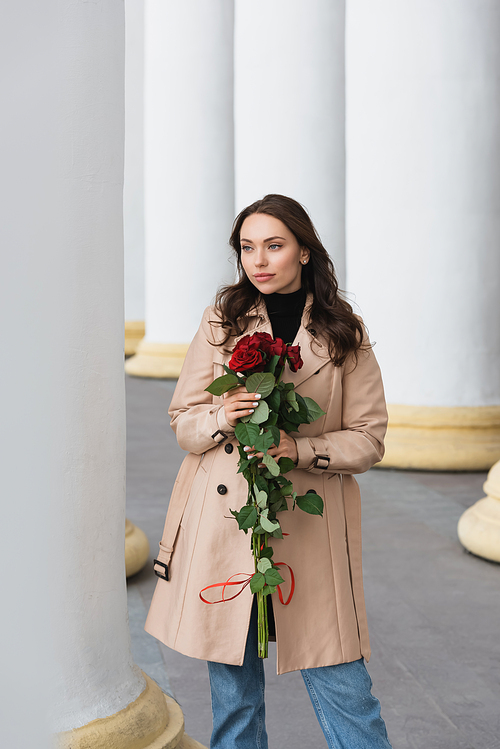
188, 179
290, 108
67, 666
423, 229
29, 331
96, 674
133, 190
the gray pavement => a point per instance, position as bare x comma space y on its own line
433, 609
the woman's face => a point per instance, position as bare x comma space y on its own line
270, 254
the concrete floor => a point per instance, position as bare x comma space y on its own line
433, 609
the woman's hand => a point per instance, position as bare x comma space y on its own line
287, 449
239, 402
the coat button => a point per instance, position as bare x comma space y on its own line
228, 448
222, 489
311, 491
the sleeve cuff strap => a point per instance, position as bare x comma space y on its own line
222, 424
305, 452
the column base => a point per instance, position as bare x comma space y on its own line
135, 330
163, 360
152, 721
438, 438
136, 549
479, 527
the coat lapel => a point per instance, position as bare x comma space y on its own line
313, 350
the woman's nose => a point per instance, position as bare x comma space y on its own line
260, 258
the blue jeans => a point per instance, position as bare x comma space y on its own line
341, 695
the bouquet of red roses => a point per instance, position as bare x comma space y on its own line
258, 362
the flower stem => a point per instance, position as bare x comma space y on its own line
262, 623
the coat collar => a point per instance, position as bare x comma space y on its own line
313, 349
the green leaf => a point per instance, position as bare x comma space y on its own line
260, 414
243, 465
311, 503
279, 506
247, 474
258, 530
257, 582
278, 533
261, 483
271, 465
268, 590
223, 384
313, 409
261, 499
267, 552
285, 465
245, 419
287, 489
260, 382
288, 386
247, 517
303, 412
269, 525
246, 433
276, 495
294, 417
264, 441
264, 564
274, 400
273, 418
290, 396
273, 577
276, 435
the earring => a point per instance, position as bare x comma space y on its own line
304, 261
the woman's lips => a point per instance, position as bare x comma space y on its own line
263, 276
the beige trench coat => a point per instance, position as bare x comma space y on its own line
325, 623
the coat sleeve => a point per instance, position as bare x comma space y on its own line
360, 442
197, 418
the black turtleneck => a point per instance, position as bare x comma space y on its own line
285, 313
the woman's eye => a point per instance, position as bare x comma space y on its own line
274, 246
245, 248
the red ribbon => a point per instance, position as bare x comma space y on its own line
292, 586
244, 584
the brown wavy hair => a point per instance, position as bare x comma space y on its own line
330, 314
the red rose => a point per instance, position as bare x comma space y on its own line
293, 356
270, 346
246, 356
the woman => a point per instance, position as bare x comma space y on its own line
286, 287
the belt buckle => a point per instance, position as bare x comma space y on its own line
325, 459
159, 574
